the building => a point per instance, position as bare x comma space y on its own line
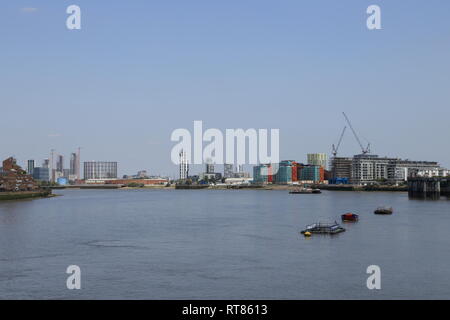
400, 170
318, 159
98, 170
73, 164
14, 178
59, 163
261, 173
209, 166
213, 176
46, 163
184, 165
30, 167
146, 182
283, 175
314, 173
228, 171
41, 174
341, 168
367, 169
74, 167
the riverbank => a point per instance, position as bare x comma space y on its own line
22, 195
371, 188
329, 187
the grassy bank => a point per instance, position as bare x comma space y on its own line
25, 195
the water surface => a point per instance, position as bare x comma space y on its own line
209, 244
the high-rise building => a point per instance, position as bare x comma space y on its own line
59, 163
98, 170
75, 165
30, 167
46, 163
318, 159
72, 165
184, 165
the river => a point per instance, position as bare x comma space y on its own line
222, 244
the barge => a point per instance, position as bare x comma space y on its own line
305, 191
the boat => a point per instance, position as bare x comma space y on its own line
305, 191
323, 228
384, 210
349, 217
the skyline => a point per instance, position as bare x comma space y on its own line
119, 86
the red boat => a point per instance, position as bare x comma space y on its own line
350, 217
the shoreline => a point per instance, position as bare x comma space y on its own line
26, 195
245, 187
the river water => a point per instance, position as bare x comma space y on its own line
209, 244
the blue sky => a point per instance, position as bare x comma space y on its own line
138, 70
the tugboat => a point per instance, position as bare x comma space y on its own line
350, 217
322, 228
384, 210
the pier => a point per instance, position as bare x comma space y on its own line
432, 188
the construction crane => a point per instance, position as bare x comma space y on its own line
364, 150
336, 148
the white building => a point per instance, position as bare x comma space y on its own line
371, 168
184, 166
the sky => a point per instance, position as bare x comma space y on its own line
138, 70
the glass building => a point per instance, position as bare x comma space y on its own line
30, 167
100, 170
41, 173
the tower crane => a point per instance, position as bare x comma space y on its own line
364, 150
336, 148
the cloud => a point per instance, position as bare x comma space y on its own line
28, 10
